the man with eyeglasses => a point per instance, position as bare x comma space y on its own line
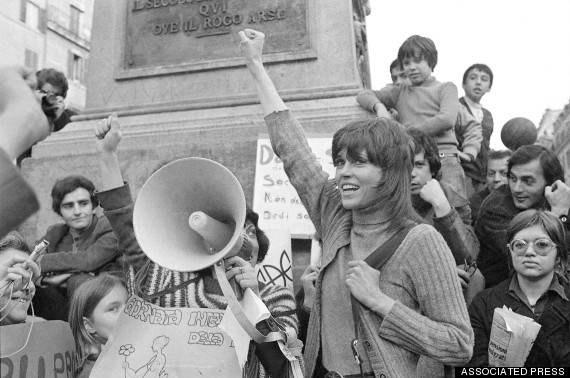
535, 181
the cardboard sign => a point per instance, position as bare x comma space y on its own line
276, 268
274, 199
153, 341
49, 353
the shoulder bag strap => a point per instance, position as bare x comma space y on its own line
376, 259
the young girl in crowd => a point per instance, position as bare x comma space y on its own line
538, 289
93, 313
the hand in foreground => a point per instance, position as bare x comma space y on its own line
251, 45
363, 282
109, 134
308, 280
59, 107
558, 197
56, 280
393, 114
243, 272
22, 121
464, 277
433, 194
18, 270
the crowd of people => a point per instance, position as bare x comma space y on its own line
425, 231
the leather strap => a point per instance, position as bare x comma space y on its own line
376, 259
379, 257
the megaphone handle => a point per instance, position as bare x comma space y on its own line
235, 308
236, 289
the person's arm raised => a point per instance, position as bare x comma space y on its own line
115, 196
109, 134
252, 47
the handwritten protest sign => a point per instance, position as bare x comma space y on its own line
276, 268
49, 353
274, 199
173, 342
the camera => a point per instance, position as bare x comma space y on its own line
49, 100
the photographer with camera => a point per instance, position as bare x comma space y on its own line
52, 86
51, 92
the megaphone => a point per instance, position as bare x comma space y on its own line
190, 214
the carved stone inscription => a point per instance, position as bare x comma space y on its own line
185, 32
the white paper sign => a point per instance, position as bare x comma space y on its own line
274, 199
152, 341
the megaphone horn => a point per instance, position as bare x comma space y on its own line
190, 214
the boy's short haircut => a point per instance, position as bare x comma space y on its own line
54, 77
395, 64
67, 185
417, 46
426, 144
501, 154
479, 67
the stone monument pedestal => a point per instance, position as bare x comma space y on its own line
173, 72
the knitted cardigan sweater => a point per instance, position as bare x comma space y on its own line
477, 169
468, 132
431, 107
429, 317
146, 278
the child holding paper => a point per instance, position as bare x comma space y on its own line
539, 289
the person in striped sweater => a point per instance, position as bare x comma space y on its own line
167, 288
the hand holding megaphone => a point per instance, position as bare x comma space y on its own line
215, 235
108, 133
243, 273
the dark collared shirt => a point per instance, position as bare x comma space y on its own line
554, 289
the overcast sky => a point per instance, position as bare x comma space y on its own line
526, 43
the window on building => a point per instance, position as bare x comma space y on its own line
31, 60
32, 17
74, 19
76, 67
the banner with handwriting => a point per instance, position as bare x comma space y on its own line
152, 341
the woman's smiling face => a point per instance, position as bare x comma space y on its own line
357, 180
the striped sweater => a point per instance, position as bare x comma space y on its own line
145, 278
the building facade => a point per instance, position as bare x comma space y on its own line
49, 34
561, 143
545, 136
